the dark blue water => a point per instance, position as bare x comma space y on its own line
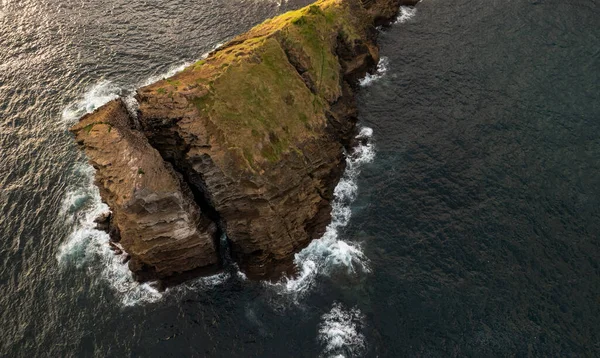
467, 225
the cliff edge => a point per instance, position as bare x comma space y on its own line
248, 142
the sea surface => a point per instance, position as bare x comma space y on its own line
466, 224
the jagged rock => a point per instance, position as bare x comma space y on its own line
160, 226
257, 130
384, 11
103, 222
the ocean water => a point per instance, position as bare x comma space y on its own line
466, 224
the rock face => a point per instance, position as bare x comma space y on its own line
159, 224
257, 131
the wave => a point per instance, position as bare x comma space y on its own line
406, 14
330, 253
216, 47
339, 332
95, 96
382, 68
129, 100
86, 245
173, 70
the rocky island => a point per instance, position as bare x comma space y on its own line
247, 144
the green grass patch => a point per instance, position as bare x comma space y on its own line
88, 128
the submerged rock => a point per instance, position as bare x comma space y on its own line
257, 131
103, 222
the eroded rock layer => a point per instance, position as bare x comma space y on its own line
258, 131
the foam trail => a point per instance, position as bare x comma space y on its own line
382, 68
406, 14
339, 332
132, 104
329, 253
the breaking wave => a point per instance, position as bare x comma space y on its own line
170, 72
339, 332
95, 96
406, 13
216, 47
330, 252
382, 68
86, 245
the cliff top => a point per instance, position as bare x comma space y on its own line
265, 91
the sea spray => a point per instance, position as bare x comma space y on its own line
382, 68
406, 14
95, 96
86, 245
339, 332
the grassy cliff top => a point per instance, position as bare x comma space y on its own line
267, 90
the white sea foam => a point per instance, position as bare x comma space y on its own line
105, 91
406, 13
382, 68
170, 72
330, 252
86, 245
339, 332
216, 47
131, 104
96, 95
82, 204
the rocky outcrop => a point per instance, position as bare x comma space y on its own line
258, 131
384, 11
153, 210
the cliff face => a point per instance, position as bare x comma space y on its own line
156, 219
257, 130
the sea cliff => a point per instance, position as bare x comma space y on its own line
248, 143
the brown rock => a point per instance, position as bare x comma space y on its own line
103, 222
384, 11
153, 210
